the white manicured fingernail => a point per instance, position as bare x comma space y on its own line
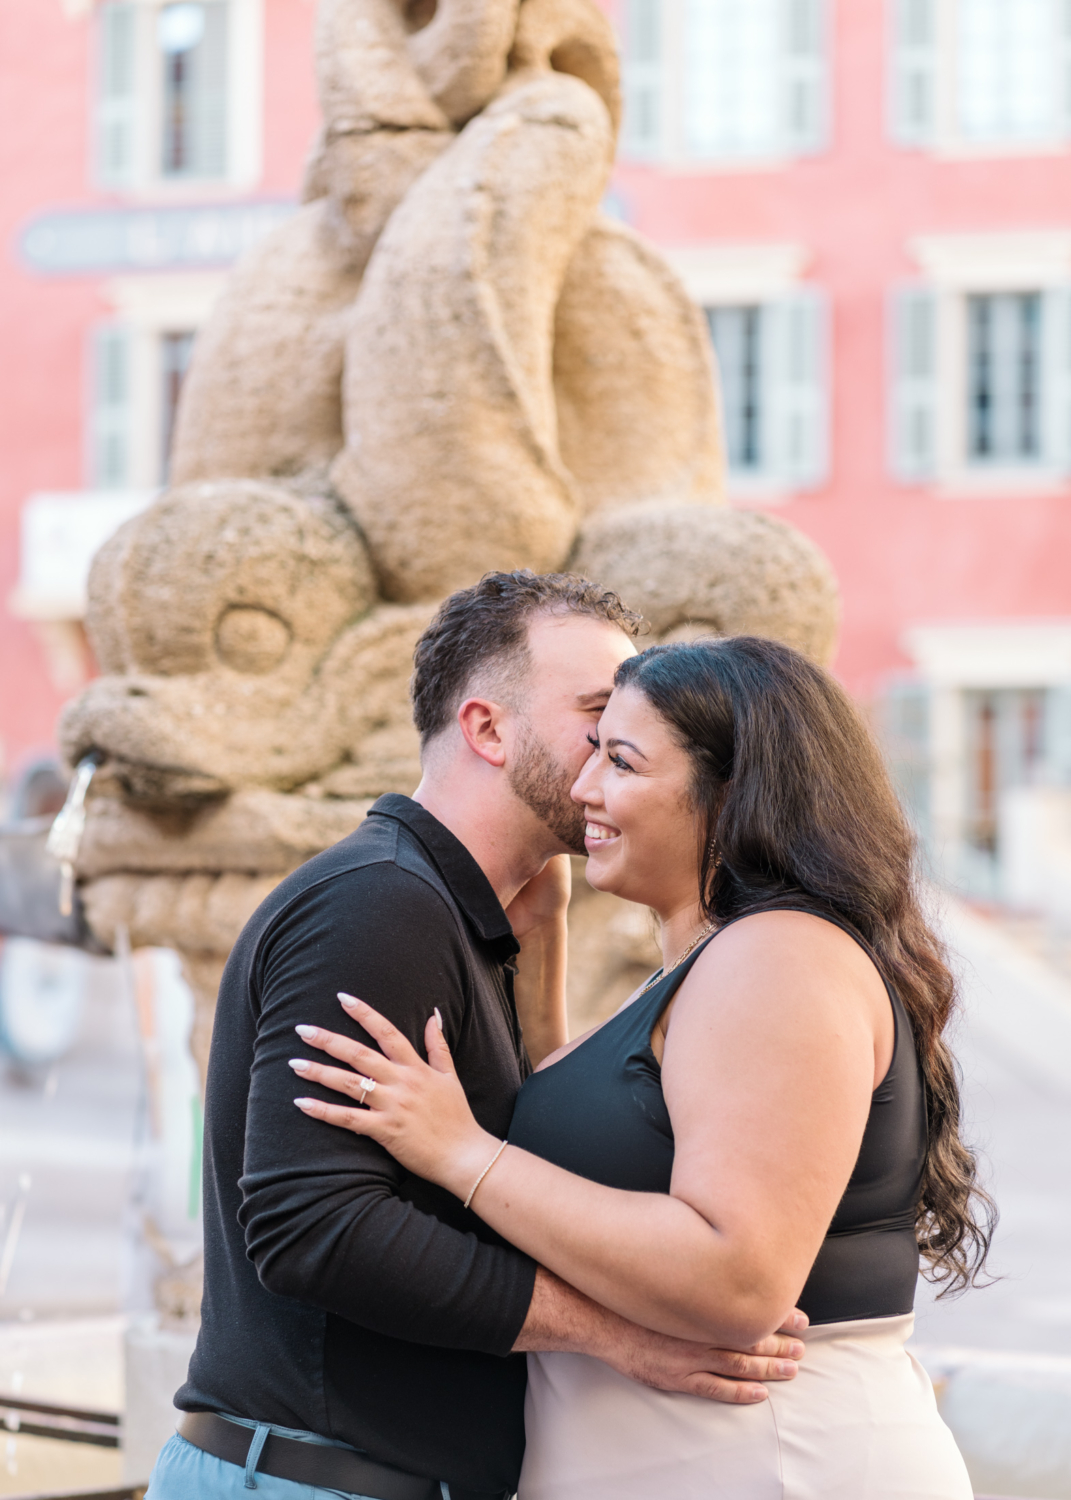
298, 1064
304, 1103
305, 1031
438, 1017
348, 999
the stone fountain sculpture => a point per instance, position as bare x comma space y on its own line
449, 360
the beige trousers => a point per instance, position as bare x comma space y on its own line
859, 1422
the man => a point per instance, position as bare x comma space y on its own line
362, 1333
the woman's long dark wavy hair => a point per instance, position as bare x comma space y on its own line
795, 805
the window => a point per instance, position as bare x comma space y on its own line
984, 726
709, 80
980, 371
136, 380
192, 39
970, 74
178, 92
981, 386
1003, 377
1005, 78
1005, 735
773, 371
730, 78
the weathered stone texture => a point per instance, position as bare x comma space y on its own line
447, 361
634, 378
457, 309
698, 570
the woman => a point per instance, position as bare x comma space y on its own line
735, 790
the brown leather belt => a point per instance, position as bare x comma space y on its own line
315, 1464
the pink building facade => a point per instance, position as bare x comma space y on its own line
870, 198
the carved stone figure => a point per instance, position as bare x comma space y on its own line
449, 360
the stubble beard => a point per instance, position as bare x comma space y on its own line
543, 785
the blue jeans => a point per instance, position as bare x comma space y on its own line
182, 1472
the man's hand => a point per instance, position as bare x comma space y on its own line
670, 1364
561, 1318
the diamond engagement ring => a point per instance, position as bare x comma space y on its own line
367, 1085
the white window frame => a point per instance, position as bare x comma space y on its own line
933, 67
668, 77
770, 276
142, 177
951, 269
143, 309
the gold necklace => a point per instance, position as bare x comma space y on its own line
657, 978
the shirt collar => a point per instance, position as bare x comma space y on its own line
469, 886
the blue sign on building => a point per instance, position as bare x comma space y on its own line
147, 239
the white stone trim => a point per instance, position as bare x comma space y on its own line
1000, 654
58, 535
738, 274
245, 120
1014, 261
165, 302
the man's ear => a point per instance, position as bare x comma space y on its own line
480, 722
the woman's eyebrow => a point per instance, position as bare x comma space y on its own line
610, 745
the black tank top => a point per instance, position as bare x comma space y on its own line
600, 1113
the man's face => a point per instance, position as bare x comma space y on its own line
572, 661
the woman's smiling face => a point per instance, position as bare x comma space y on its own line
642, 834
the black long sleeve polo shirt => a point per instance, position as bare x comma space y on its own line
342, 1295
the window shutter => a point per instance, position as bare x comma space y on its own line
1063, 61
804, 74
110, 458
117, 93
913, 407
905, 722
1056, 378
1057, 735
210, 96
796, 417
913, 82
644, 125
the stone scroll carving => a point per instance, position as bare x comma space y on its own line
449, 360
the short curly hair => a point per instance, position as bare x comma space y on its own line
486, 626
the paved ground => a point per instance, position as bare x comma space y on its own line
70, 1130
1014, 1045
69, 1362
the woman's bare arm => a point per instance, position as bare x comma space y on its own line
538, 916
768, 1072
